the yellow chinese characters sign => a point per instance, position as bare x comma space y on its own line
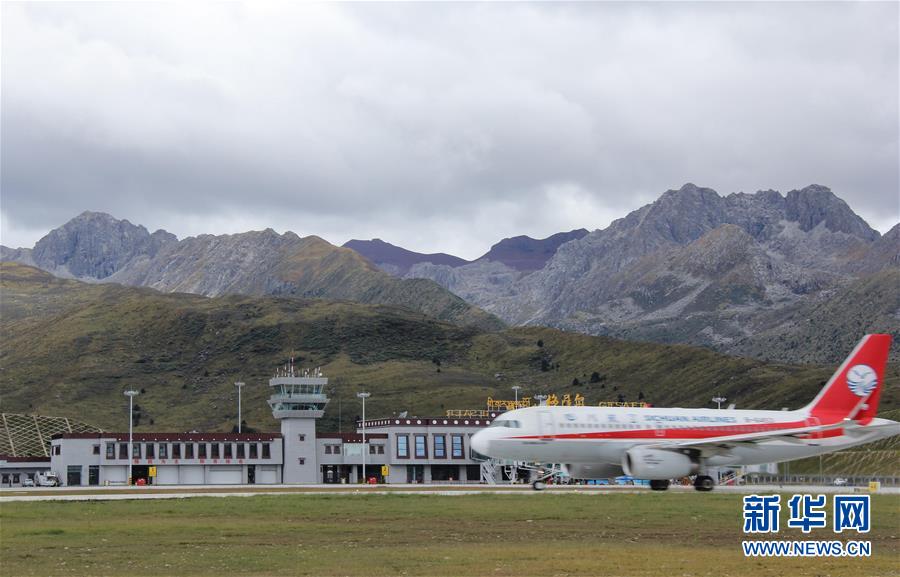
552, 400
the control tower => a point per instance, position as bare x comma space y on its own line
298, 399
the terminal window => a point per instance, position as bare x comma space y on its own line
96, 449
176, 450
189, 451
421, 451
227, 450
110, 450
149, 451
215, 450
164, 450
123, 451
240, 451
267, 451
136, 451
402, 446
440, 447
253, 451
456, 446
201, 450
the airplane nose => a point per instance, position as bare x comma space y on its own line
480, 442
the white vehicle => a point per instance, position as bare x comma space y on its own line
661, 444
840, 482
48, 479
27, 481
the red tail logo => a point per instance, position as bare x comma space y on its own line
853, 391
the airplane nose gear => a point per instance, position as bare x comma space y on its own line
704, 483
542, 474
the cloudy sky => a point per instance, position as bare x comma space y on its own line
437, 127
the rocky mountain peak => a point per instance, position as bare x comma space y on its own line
683, 215
95, 245
689, 190
816, 204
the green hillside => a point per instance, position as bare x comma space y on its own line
70, 348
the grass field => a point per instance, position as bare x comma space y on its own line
499, 535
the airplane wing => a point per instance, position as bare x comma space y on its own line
727, 441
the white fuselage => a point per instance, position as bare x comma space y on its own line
595, 435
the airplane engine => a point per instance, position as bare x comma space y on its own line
593, 470
644, 463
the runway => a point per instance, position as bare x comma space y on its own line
184, 492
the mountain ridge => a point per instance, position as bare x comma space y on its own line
692, 267
96, 247
397, 260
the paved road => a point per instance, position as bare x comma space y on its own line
181, 492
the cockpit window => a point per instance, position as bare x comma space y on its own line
508, 423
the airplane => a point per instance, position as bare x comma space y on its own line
659, 444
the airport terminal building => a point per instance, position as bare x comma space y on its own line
395, 450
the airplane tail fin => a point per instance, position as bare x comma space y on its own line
854, 390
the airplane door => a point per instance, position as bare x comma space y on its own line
548, 427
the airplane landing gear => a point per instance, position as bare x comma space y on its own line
704, 483
659, 484
539, 485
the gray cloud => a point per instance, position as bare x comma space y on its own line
438, 127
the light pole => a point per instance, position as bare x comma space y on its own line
239, 385
516, 389
718, 400
131, 395
364, 396
540, 399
